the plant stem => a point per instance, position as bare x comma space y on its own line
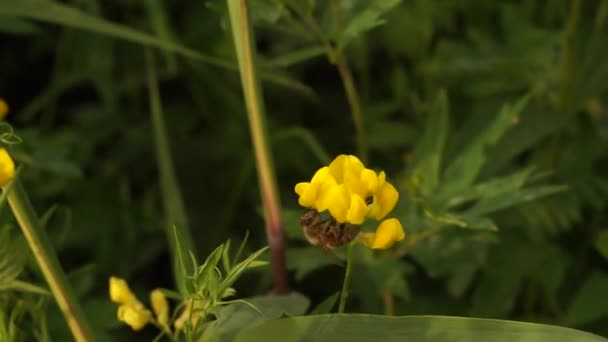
243, 36
47, 260
346, 283
355, 104
172, 196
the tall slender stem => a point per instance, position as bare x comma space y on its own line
346, 283
568, 56
243, 37
354, 103
47, 260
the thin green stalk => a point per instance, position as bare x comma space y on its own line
355, 104
47, 260
346, 283
243, 37
172, 196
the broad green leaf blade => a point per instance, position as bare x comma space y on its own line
359, 327
427, 155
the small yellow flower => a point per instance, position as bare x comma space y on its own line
7, 167
160, 306
384, 199
3, 109
131, 310
388, 232
134, 315
120, 292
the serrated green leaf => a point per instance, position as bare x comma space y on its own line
509, 199
492, 188
365, 20
463, 171
426, 159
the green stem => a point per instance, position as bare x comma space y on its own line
354, 103
47, 260
243, 37
172, 196
346, 283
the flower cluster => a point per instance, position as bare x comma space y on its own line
352, 193
133, 313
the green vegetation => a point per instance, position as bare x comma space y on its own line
160, 142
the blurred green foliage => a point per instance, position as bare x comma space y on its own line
491, 117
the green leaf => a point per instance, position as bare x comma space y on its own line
489, 205
238, 269
360, 327
203, 277
326, 305
235, 317
601, 243
426, 159
296, 56
17, 25
186, 268
366, 19
463, 171
60, 14
590, 302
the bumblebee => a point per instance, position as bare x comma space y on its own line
327, 233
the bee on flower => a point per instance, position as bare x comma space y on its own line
351, 194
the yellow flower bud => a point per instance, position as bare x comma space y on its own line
160, 306
134, 315
388, 232
7, 167
3, 109
180, 322
120, 292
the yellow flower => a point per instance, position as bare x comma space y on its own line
3, 109
135, 315
131, 310
160, 306
120, 292
7, 167
384, 199
388, 232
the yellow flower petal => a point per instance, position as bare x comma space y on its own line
384, 201
136, 316
357, 210
343, 165
7, 167
120, 292
3, 109
337, 201
160, 306
370, 179
388, 232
